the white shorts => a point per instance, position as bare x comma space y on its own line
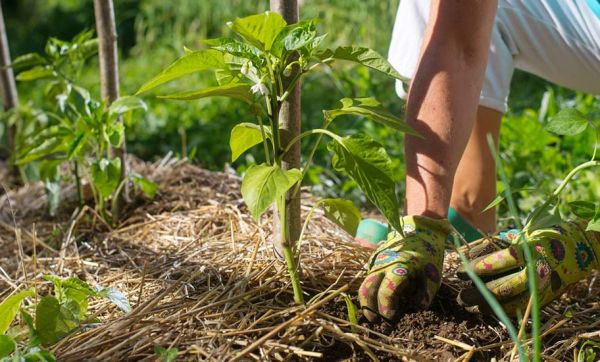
558, 40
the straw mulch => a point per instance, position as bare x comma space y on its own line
202, 277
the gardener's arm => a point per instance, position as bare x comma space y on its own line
442, 105
443, 100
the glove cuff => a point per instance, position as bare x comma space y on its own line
416, 224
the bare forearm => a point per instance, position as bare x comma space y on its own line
443, 100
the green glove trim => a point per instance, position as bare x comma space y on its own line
372, 231
464, 227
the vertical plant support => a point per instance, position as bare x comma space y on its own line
109, 76
8, 86
289, 119
270, 73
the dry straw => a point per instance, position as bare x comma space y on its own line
202, 277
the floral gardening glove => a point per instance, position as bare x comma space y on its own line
563, 254
490, 244
405, 271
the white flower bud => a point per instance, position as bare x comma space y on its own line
261, 88
245, 68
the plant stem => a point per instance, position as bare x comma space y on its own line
288, 252
264, 138
290, 87
115, 200
307, 220
573, 173
308, 133
78, 182
321, 132
597, 135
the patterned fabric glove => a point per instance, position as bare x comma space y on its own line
405, 271
563, 254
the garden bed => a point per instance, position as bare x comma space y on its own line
202, 277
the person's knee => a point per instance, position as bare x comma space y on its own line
471, 205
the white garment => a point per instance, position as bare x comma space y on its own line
558, 40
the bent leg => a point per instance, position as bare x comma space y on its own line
475, 179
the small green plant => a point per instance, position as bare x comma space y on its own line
78, 130
166, 354
254, 68
48, 319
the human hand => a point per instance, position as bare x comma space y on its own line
563, 255
405, 271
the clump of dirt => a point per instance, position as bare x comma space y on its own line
417, 331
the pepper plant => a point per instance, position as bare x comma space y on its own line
47, 319
253, 67
78, 130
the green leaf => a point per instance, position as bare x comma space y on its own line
35, 73
260, 30
77, 145
367, 57
46, 317
76, 293
45, 150
371, 109
294, 37
116, 134
352, 312
166, 354
588, 351
544, 216
594, 224
238, 91
117, 297
34, 336
369, 165
126, 104
83, 93
568, 122
105, 175
234, 47
189, 63
44, 144
245, 136
39, 356
148, 187
10, 307
343, 213
263, 184
494, 203
7, 346
28, 60
583, 209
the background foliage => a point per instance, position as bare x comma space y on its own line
153, 33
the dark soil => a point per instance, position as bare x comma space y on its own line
415, 332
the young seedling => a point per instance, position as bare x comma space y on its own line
49, 318
78, 130
253, 68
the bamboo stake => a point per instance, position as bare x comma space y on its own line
10, 98
109, 75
